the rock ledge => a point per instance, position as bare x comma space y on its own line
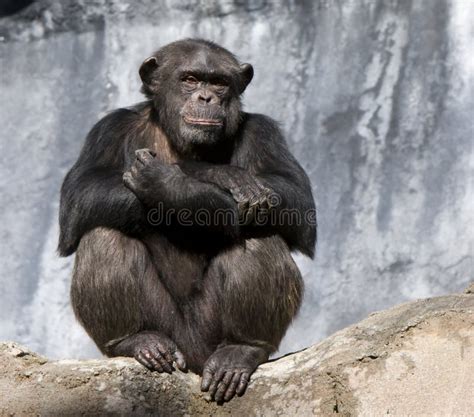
414, 359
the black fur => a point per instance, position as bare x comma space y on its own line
217, 297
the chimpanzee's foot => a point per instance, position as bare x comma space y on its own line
152, 349
228, 369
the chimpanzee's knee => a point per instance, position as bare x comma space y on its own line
262, 288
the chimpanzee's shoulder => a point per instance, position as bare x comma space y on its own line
258, 121
119, 120
261, 129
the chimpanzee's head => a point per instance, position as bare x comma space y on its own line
196, 87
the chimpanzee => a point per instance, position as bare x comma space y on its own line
181, 210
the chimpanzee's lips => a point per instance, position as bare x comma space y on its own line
204, 122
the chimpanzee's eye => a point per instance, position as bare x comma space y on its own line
189, 79
220, 87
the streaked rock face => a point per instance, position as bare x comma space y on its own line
376, 98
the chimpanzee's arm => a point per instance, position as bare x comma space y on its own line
266, 174
92, 198
180, 196
278, 170
93, 193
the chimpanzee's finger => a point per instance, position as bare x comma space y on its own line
153, 356
222, 387
179, 359
148, 361
144, 155
242, 208
134, 170
128, 180
250, 215
206, 379
167, 355
244, 380
263, 202
215, 382
229, 394
158, 355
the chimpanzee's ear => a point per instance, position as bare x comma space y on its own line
147, 69
246, 75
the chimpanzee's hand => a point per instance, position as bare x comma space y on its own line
158, 353
150, 179
249, 193
246, 189
227, 371
152, 349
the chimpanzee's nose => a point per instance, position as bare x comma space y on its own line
206, 96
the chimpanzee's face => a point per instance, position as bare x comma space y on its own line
205, 96
196, 91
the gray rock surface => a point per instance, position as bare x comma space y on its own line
375, 96
412, 360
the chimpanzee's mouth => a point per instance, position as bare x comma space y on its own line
203, 122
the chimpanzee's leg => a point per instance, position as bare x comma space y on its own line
123, 305
260, 289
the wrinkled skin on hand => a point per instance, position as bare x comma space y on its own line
249, 193
149, 179
154, 350
227, 371
246, 189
